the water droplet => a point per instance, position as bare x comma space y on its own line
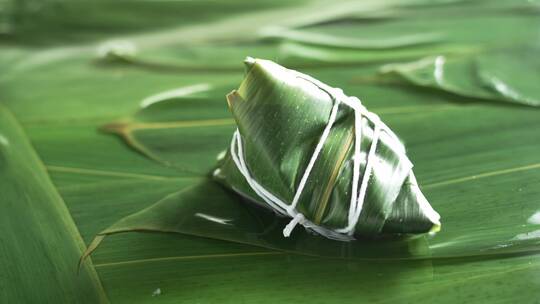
221, 155
3, 141
216, 172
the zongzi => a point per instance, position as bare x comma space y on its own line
311, 153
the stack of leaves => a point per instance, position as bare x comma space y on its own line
457, 81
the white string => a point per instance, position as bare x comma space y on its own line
299, 217
357, 196
356, 163
353, 217
239, 160
365, 179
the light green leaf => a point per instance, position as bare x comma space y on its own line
485, 75
376, 43
296, 54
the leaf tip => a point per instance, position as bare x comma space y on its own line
93, 246
435, 228
249, 62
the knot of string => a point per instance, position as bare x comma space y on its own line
297, 219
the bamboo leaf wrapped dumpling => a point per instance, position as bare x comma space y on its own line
309, 152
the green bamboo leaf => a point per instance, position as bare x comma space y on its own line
477, 163
485, 75
56, 21
378, 43
292, 278
453, 75
298, 54
41, 244
180, 58
205, 209
469, 23
193, 113
494, 70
